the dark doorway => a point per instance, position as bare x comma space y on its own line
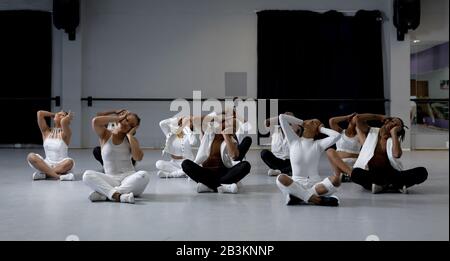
25, 69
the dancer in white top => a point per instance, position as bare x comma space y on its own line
305, 152
346, 151
278, 157
97, 151
57, 163
179, 139
121, 182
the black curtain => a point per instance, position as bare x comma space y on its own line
310, 55
25, 70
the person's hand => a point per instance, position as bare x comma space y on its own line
122, 117
69, 116
132, 131
121, 112
350, 117
227, 131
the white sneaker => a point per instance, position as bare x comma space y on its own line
178, 174
202, 188
162, 174
95, 196
39, 175
273, 172
228, 188
67, 177
377, 188
127, 198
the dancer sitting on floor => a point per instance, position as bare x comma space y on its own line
57, 163
110, 126
121, 182
378, 167
218, 166
305, 152
277, 158
179, 139
343, 155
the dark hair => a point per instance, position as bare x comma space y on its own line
137, 118
401, 133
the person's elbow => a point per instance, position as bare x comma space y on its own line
139, 156
397, 154
40, 113
235, 156
95, 122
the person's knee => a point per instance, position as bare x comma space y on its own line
159, 164
69, 164
88, 176
32, 158
247, 140
284, 179
143, 175
186, 165
423, 175
264, 154
246, 167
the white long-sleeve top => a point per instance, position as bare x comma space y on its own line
279, 144
305, 153
181, 147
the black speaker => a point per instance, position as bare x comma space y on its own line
66, 15
406, 16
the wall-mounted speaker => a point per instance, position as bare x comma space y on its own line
66, 16
406, 16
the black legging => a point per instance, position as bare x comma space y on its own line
393, 177
98, 155
284, 165
214, 179
243, 147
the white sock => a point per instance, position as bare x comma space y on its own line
228, 188
39, 175
177, 174
67, 177
127, 198
162, 174
273, 172
95, 196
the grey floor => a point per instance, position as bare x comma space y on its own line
170, 209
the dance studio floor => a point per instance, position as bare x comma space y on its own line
170, 209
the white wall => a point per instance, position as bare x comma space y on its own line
170, 48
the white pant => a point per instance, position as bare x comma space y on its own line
108, 185
172, 166
305, 188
